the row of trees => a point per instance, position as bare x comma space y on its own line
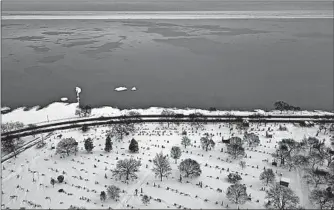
310, 152
128, 168
11, 126
283, 106
70, 145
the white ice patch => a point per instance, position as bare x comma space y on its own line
5, 108
120, 89
260, 111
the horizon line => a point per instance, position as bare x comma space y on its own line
172, 15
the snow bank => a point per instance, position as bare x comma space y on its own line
54, 111
63, 111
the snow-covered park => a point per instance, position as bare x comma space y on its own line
198, 168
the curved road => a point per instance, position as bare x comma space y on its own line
163, 118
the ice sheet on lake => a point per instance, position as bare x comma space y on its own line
120, 89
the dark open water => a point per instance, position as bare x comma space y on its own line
239, 64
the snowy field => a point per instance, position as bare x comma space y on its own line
87, 174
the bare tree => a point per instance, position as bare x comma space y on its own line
300, 161
286, 149
120, 130
252, 139
289, 145
83, 111
328, 155
11, 145
68, 146
113, 192
168, 115
175, 153
281, 197
207, 143
242, 164
316, 176
331, 168
315, 158
127, 168
289, 163
282, 106
190, 167
267, 176
322, 198
235, 150
237, 193
196, 120
236, 140
313, 143
161, 166
134, 115
280, 153
11, 126
185, 141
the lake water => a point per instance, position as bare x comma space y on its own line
176, 62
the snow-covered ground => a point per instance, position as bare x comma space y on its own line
62, 111
17, 173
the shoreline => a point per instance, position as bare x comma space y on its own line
60, 111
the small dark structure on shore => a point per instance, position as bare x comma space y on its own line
284, 182
225, 141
